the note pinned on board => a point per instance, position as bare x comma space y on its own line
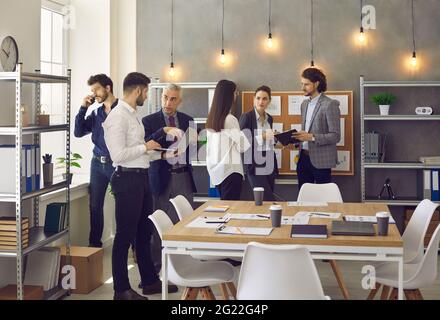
295, 102
274, 109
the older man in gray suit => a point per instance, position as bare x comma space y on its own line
320, 130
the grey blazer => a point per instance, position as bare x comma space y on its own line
325, 127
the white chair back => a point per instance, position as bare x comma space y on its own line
326, 192
182, 206
413, 237
183, 270
427, 272
278, 272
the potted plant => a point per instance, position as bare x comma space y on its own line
47, 170
62, 162
383, 100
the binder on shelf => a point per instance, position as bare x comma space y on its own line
28, 169
37, 167
427, 184
435, 192
33, 167
55, 217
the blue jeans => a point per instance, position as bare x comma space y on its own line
100, 175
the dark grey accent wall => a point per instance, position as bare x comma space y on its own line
198, 34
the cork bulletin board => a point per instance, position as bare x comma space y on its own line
286, 113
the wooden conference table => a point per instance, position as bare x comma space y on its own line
205, 241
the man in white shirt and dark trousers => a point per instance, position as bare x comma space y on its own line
124, 136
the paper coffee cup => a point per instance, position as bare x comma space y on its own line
276, 212
383, 219
258, 195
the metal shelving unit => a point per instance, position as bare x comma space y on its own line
410, 201
37, 237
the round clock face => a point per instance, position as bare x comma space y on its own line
8, 54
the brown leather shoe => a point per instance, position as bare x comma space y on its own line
128, 295
157, 288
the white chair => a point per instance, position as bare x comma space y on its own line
415, 275
182, 206
195, 275
414, 235
326, 192
278, 272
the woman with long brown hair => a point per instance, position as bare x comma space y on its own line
225, 143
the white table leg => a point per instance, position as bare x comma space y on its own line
400, 289
164, 275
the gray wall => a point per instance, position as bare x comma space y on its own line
197, 45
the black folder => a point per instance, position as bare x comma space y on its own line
286, 137
353, 228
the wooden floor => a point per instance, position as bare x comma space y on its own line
350, 270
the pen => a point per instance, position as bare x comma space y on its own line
216, 221
319, 214
261, 216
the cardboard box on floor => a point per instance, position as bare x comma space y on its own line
30, 292
88, 263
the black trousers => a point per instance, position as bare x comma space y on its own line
134, 204
230, 188
307, 173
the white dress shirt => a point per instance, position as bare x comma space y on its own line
263, 145
223, 150
124, 136
309, 113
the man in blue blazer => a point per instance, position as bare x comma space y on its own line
168, 178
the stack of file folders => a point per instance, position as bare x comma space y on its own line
8, 233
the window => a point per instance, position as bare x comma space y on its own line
53, 61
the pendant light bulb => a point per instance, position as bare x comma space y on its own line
223, 57
172, 72
270, 41
361, 36
414, 59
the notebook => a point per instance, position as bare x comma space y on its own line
216, 208
286, 137
244, 231
309, 231
353, 228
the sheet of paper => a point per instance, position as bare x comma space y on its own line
247, 216
319, 214
343, 161
306, 204
279, 155
293, 154
278, 127
244, 231
295, 220
343, 103
372, 219
295, 104
274, 109
341, 142
296, 126
205, 222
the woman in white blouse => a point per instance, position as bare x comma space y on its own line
225, 143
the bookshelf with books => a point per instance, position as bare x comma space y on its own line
19, 240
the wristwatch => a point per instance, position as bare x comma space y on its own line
313, 138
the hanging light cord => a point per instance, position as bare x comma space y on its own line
413, 27
223, 22
270, 14
172, 31
311, 33
362, 5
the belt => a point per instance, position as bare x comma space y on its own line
179, 170
306, 152
137, 170
103, 159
